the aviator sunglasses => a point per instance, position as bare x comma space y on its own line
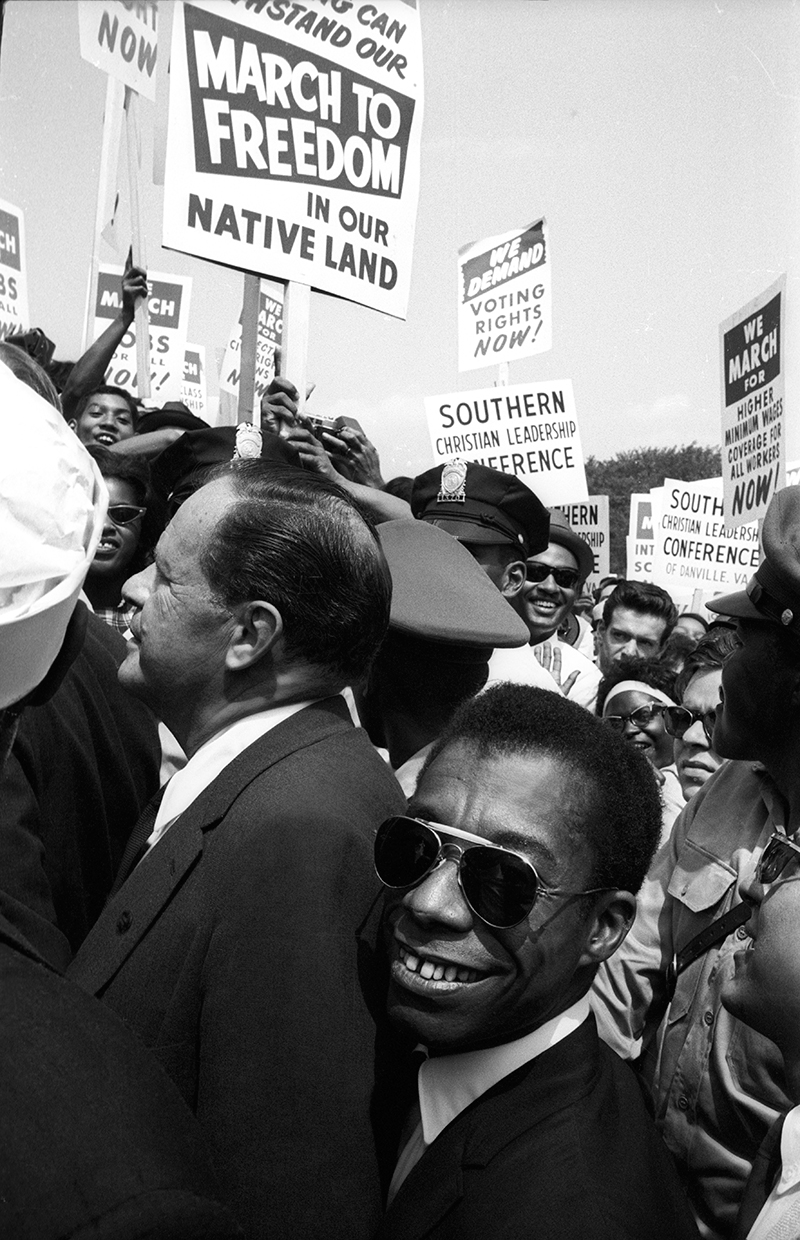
678, 720
640, 717
125, 514
566, 578
778, 854
500, 886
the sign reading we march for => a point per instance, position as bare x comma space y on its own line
14, 316
293, 142
753, 437
527, 429
504, 298
121, 39
168, 312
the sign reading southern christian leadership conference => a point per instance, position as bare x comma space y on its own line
527, 429
504, 298
293, 142
753, 416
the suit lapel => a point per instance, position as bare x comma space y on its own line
140, 900
516, 1104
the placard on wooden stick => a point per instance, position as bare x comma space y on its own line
137, 239
294, 343
247, 377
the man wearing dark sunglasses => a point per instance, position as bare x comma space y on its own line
553, 578
718, 1084
508, 881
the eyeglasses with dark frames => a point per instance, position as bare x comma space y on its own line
640, 717
678, 720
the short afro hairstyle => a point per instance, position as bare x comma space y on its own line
622, 823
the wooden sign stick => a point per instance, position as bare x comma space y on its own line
109, 156
294, 341
247, 357
137, 235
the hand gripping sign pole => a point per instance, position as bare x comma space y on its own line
137, 246
247, 357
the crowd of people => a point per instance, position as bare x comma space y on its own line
361, 874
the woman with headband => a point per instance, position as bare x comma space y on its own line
631, 700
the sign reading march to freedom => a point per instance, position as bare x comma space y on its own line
527, 429
504, 298
293, 142
753, 440
168, 313
14, 315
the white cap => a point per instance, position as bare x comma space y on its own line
53, 503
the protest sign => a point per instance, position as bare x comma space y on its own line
695, 548
293, 143
639, 542
527, 429
270, 326
793, 473
193, 386
14, 315
753, 437
504, 298
121, 39
590, 520
168, 307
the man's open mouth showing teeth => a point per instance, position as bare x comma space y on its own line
436, 972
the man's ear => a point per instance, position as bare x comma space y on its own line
258, 626
612, 919
513, 579
72, 423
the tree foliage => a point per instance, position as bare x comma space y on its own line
639, 469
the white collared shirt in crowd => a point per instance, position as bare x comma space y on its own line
780, 1213
448, 1084
205, 765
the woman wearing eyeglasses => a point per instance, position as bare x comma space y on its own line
633, 700
119, 553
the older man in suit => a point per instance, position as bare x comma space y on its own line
232, 946
510, 879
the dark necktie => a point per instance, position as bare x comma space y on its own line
137, 841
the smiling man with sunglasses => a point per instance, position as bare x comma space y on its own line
508, 881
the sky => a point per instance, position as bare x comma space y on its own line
659, 139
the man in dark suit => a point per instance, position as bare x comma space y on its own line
236, 946
509, 881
